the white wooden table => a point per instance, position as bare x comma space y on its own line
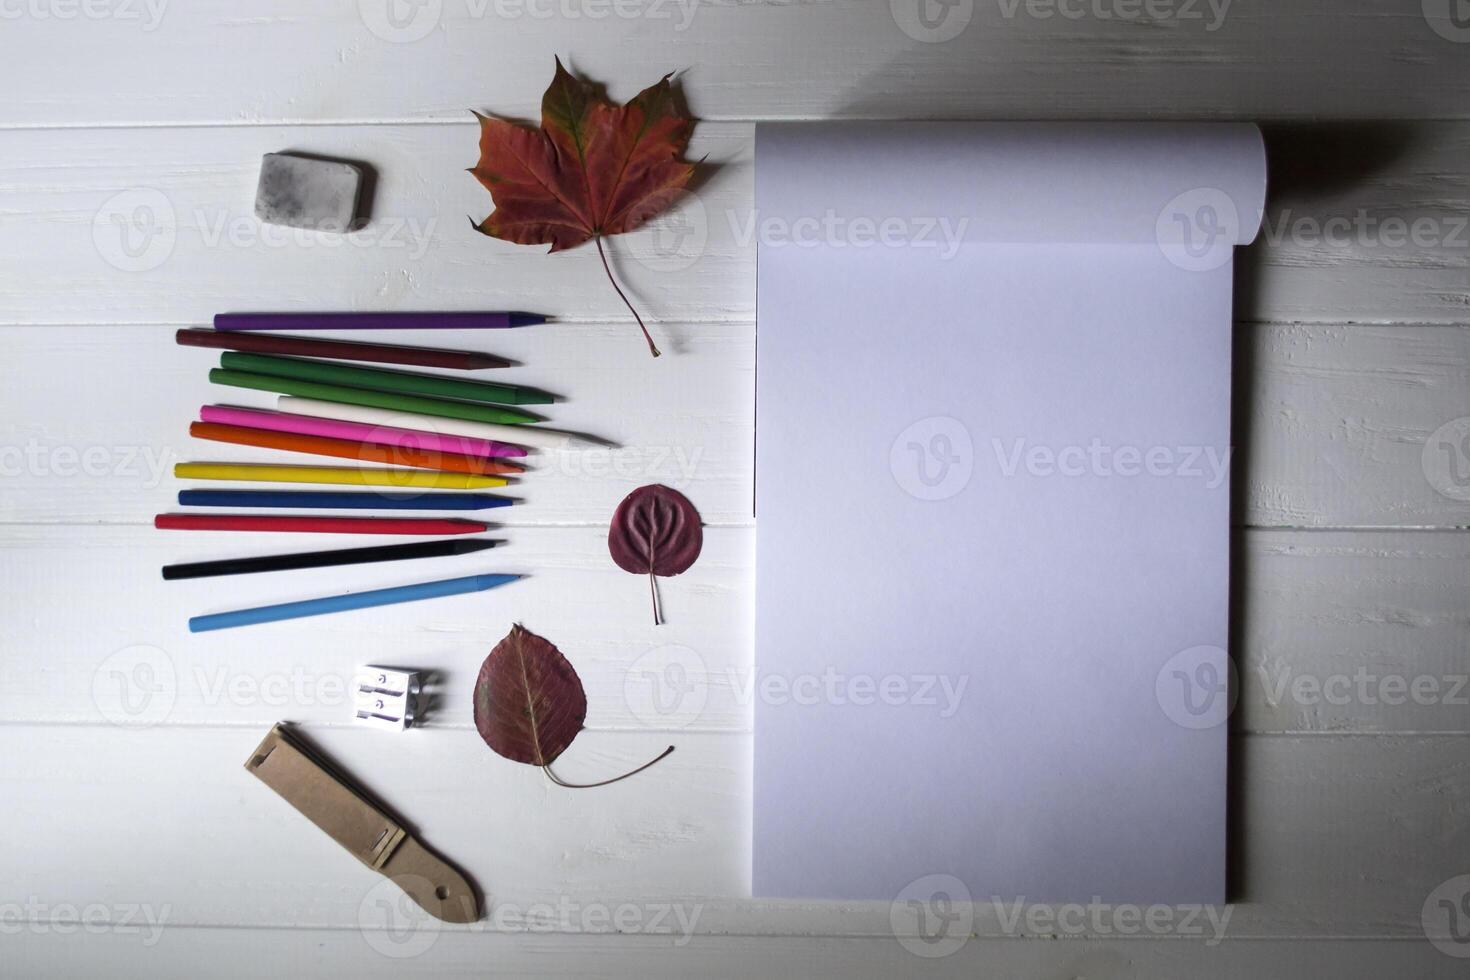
134, 842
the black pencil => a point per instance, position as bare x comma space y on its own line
323, 559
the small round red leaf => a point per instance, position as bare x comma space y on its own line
656, 531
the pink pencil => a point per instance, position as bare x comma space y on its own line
357, 431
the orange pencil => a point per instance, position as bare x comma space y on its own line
364, 452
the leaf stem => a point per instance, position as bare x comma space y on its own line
608, 269
658, 619
560, 782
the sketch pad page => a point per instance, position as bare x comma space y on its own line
992, 507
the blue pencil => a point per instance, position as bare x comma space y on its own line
342, 603
340, 500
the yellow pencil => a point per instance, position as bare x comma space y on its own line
352, 475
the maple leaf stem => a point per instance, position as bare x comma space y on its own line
561, 782
652, 349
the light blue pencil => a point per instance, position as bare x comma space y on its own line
342, 603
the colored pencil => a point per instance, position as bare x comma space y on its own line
338, 475
353, 600
316, 525
341, 500
440, 320
325, 559
366, 452
503, 415
345, 350
338, 429
383, 379
534, 436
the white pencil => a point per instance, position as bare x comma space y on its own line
531, 436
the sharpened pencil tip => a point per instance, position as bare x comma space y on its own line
477, 544
525, 319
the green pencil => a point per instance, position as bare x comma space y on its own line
326, 372
375, 399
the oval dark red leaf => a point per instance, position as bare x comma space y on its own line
529, 702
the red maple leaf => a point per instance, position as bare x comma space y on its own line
593, 168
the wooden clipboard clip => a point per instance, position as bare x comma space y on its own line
346, 813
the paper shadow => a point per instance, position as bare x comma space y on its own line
1309, 165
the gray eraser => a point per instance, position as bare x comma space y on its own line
301, 192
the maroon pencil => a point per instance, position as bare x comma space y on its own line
343, 350
323, 525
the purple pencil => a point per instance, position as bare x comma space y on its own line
444, 320
309, 425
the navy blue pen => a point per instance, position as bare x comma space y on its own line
337, 500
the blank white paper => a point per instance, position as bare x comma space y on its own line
992, 506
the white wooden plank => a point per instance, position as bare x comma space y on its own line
95, 418
154, 61
156, 226
249, 953
1335, 836
1334, 423
1331, 426
1337, 632
1353, 631
1364, 223
129, 657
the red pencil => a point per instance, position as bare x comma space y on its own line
315, 525
342, 350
